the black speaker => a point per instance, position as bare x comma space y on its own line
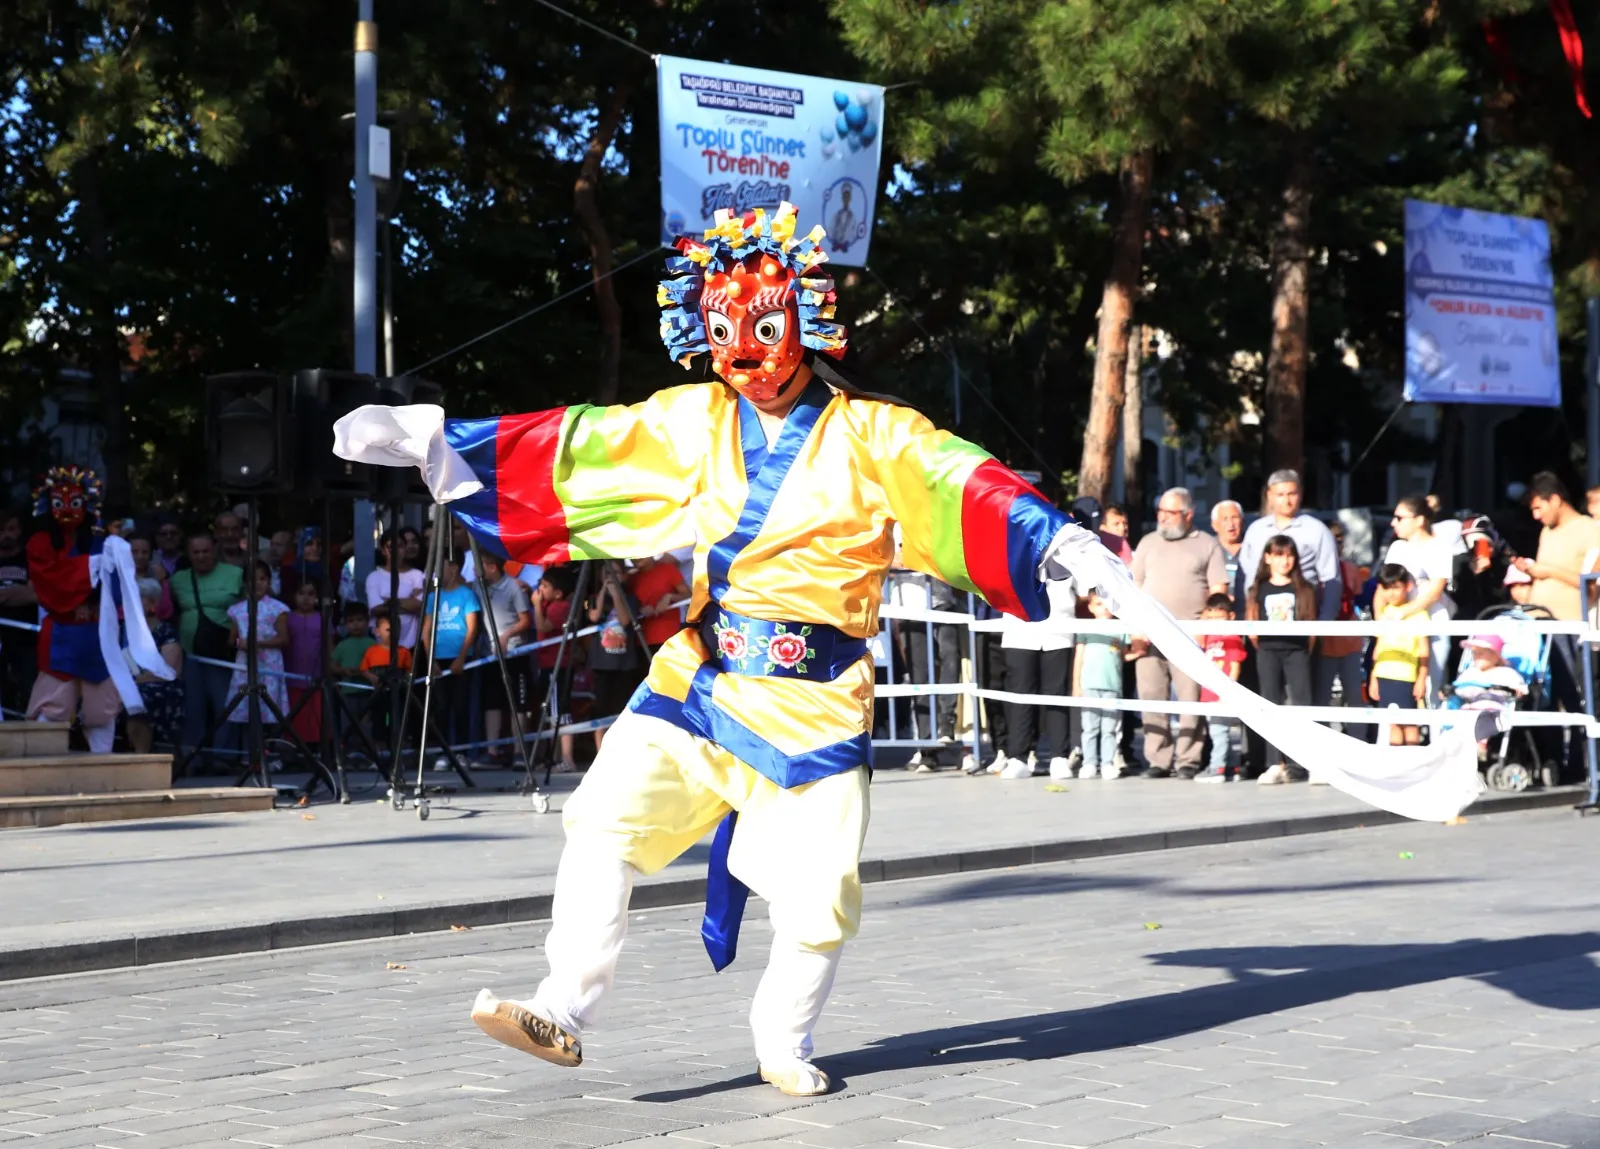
404, 484
249, 433
321, 398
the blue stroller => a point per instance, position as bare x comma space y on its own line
1515, 763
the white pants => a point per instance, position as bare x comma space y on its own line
655, 790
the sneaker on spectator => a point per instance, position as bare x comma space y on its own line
1075, 759
1297, 774
1060, 768
566, 767
1122, 764
1016, 768
923, 768
1000, 762
1113, 771
1214, 774
1274, 775
1186, 773
914, 761
1033, 760
971, 765
1158, 772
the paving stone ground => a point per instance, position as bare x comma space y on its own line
77, 884
1322, 990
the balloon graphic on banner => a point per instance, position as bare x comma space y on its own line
853, 126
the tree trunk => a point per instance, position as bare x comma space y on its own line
1133, 430
586, 202
1284, 419
105, 344
1116, 314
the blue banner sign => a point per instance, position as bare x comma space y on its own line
740, 138
1480, 308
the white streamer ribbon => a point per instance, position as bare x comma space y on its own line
1429, 783
115, 567
409, 436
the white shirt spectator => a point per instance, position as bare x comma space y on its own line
1427, 559
378, 583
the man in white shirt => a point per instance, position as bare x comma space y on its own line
380, 586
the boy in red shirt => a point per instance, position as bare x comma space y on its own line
1227, 651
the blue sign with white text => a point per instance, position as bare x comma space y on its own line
1480, 308
740, 138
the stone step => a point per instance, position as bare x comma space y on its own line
84, 774
33, 739
64, 809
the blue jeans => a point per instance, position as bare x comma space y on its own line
1221, 731
1102, 731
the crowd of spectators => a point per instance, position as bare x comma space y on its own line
1286, 564
312, 623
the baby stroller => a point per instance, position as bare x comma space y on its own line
1513, 761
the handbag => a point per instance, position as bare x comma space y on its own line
211, 640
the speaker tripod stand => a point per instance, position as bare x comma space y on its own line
255, 693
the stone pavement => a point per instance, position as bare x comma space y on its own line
1408, 985
124, 893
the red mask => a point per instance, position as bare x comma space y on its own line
68, 504
753, 327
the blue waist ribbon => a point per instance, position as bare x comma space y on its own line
813, 651
740, 644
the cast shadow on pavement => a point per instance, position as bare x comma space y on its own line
1020, 885
1267, 979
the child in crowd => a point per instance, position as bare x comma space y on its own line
304, 660
1228, 653
1484, 670
551, 607
348, 651
376, 657
1399, 660
272, 637
1282, 594
1097, 673
450, 626
375, 665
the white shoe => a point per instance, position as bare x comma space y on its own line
513, 1023
1089, 771
1033, 759
970, 765
914, 761
796, 1078
1122, 764
1274, 776
1000, 762
1060, 768
1113, 771
1016, 768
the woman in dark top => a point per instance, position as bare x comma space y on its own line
1282, 594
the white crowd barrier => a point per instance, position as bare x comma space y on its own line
1067, 627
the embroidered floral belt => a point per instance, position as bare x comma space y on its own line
810, 650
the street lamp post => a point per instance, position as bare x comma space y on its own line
366, 235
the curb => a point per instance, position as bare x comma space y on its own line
125, 952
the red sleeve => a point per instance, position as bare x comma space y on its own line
61, 582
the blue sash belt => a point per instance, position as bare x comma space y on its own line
813, 651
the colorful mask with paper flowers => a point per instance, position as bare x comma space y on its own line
69, 495
753, 296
